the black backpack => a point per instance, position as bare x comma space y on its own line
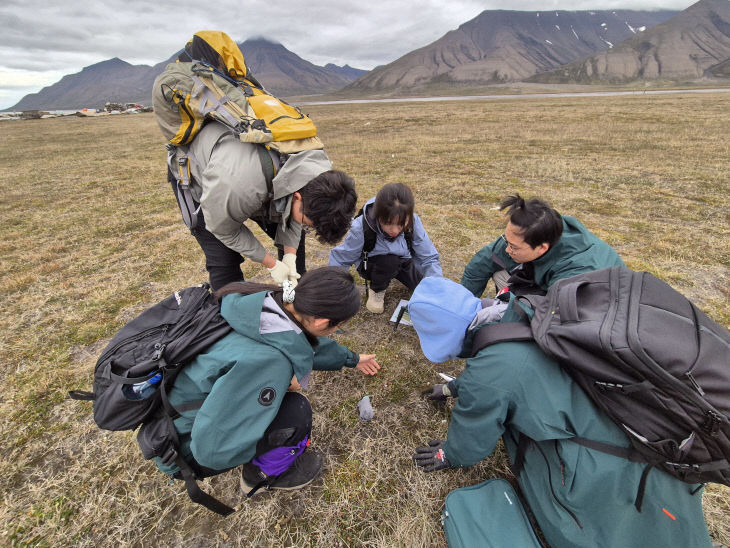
649, 358
139, 366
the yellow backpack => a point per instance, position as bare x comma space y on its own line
213, 83
216, 84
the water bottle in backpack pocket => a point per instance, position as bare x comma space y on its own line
130, 398
144, 389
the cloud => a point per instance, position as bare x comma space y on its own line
42, 39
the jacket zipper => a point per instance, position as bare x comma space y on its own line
550, 481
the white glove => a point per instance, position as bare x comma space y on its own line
290, 260
280, 272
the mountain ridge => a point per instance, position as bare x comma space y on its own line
117, 81
693, 44
496, 47
501, 46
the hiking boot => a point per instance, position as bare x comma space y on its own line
305, 469
376, 300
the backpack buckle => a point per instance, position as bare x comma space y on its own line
159, 349
712, 423
259, 125
169, 456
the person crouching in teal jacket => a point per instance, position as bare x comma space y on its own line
252, 413
512, 390
539, 247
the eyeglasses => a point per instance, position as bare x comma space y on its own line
509, 245
307, 225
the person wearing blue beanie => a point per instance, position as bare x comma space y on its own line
441, 311
579, 495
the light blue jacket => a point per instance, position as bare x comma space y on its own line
425, 256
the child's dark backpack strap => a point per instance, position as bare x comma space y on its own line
368, 234
369, 238
625, 453
408, 235
199, 496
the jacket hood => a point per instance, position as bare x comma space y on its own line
258, 317
441, 311
367, 214
575, 239
298, 170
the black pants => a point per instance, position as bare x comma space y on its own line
383, 268
223, 264
291, 425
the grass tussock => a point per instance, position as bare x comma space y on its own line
91, 236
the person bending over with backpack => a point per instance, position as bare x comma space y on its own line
231, 188
252, 414
388, 241
580, 496
538, 247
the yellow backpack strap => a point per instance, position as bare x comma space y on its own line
213, 102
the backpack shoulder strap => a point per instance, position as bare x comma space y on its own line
368, 233
267, 166
408, 235
500, 332
199, 496
369, 237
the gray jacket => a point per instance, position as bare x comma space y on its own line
229, 183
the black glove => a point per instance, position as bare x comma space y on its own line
431, 457
437, 394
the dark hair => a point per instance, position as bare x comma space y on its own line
394, 203
326, 292
329, 202
538, 222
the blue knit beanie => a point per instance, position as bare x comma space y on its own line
441, 311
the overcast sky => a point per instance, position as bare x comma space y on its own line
43, 40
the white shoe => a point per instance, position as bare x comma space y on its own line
376, 300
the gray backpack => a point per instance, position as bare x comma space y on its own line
649, 358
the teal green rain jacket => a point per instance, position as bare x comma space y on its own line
235, 376
578, 251
580, 497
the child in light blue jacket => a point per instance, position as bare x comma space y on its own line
388, 241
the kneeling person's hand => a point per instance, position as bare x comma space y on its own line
438, 393
431, 457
